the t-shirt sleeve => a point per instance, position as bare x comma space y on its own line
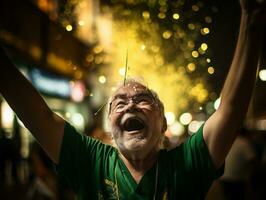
76, 155
198, 158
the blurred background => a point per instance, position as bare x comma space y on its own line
74, 52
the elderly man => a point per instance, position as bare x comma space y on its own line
138, 168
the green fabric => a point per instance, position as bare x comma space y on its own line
95, 171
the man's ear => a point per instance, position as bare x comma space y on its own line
164, 127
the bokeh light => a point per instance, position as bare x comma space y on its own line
262, 74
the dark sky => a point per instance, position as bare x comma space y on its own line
222, 40
222, 44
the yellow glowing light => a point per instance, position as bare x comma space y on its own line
195, 54
204, 46
208, 19
208, 60
81, 22
146, 15
191, 26
195, 8
122, 71
191, 44
7, 115
185, 118
201, 51
102, 79
89, 58
191, 67
142, 47
69, 27
176, 16
98, 49
153, 75
167, 34
170, 117
113, 89
210, 70
161, 15
206, 30
262, 74
199, 92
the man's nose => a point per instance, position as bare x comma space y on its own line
131, 105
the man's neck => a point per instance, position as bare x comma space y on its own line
139, 166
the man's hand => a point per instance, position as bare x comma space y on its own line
255, 9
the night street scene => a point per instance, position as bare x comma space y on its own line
132, 99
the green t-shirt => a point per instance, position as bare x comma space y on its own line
95, 171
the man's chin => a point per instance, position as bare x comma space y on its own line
133, 144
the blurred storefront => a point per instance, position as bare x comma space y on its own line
55, 61
52, 58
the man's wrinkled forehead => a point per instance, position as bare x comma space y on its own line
130, 89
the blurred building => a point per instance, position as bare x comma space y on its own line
51, 55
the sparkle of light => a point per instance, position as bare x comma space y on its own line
262, 74
211, 70
146, 15
217, 103
191, 26
185, 118
102, 79
7, 116
191, 67
142, 47
81, 22
122, 71
191, 44
167, 34
206, 30
176, 16
161, 15
204, 46
195, 54
195, 8
69, 27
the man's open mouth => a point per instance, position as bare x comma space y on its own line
133, 124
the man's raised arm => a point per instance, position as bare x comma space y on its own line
222, 127
31, 109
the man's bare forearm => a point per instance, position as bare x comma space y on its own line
240, 81
28, 104
223, 126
